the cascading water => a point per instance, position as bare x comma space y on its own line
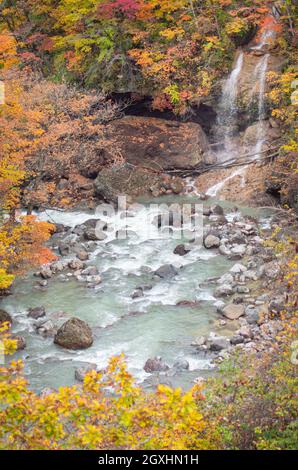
228, 111
227, 122
227, 116
260, 72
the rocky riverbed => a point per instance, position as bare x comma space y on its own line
175, 307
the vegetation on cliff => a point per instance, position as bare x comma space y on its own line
177, 49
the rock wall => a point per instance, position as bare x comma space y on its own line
157, 143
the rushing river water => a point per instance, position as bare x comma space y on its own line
152, 325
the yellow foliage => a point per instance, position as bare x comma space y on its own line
126, 417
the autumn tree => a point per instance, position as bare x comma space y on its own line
173, 50
21, 238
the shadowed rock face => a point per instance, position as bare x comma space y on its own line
112, 182
158, 143
248, 83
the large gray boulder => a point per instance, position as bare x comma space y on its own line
158, 143
74, 334
233, 311
166, 272
155, 364
36, 312
211, 241
124, 180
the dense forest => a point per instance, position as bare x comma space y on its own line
155, 98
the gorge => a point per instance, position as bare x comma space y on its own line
148, 224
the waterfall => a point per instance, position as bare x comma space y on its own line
227, 116
260, 73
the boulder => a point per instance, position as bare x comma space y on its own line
242, 290
60, 228
166, 272
207, 211
94, 234
124, 179
181, 364
252, 314
218, 343
155, 364
82, 255
224, 250
211, 241
237, 339
223, 290
5, 317
21, 342
250, 136
239, 250
200, 341
217, 210
76, 264
245, 331
94, 280
219, 305
238, 269
233, 311
90, 271
64, 249
58, 266
158, 143
36, 312
181, 250
226, 279
46, 328
74, 334
137, 293
46, 272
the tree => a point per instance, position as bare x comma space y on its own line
21, 238
126, 417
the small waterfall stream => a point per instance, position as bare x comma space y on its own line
227, 118
228, 110
261, 70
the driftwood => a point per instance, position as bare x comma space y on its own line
244, 160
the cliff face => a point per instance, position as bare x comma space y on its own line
188, 120
159, 143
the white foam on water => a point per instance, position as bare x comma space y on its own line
199, 364
69, 219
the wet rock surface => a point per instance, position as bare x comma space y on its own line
74, 334
155, 364
241, 317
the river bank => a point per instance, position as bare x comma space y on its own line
188, 303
